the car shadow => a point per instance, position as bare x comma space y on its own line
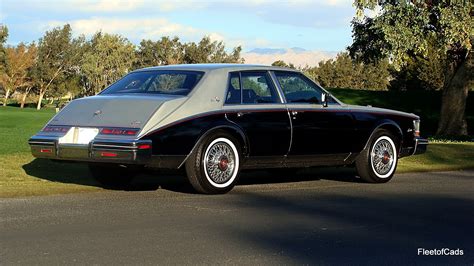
175, 180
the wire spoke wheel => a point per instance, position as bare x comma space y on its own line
220, 162
383, 157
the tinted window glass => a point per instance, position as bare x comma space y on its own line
156, 82
233, 89
297, 88
257, 88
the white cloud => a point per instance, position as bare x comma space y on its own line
338, 2
150, 28
106, 5
117, 6
141, 28
302, 59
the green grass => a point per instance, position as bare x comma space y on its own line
440, 157
18, 125
426, 104
23, 175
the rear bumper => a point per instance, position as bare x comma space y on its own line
99, 150
420, 146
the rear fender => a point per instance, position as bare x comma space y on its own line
230, 127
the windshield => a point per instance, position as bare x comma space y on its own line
156, 82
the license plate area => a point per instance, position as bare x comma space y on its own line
79, 135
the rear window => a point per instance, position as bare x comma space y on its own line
156, 82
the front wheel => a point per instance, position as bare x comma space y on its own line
378, 162
214, 165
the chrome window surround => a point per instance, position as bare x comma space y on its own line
273, 85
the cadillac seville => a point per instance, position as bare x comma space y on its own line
213, 120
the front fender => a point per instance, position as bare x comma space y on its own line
385, 124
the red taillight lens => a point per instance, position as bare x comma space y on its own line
46, 150
119, 131
108, 154
144, 146
59, 129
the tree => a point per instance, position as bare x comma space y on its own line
420, 73
3, 40
106, 59
344, 72
58, 53
163, 52
207, 51
15, 73
33, 50
407, 29
281, 63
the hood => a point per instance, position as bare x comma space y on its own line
130, 111
382, 110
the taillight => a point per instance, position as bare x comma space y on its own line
108, 154
144, 146
57, 129
416, 128
119, 131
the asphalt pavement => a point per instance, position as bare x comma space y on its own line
314, 217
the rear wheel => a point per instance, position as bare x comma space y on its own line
213, 166
112, 176
378, 162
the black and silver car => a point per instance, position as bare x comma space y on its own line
215, 119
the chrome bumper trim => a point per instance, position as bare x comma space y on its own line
420, 146
125, 151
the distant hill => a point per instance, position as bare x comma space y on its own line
295, 55
276, 50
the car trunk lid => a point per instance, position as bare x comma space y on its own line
127, 111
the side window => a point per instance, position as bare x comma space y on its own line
233, 89
298, 88
257, 87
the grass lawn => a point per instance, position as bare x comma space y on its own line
22, 175
18, 125
426, 104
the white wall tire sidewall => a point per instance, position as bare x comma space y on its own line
236, 167
395, 157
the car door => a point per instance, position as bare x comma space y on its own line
255, 105
318, 132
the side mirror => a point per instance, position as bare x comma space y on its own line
324, 99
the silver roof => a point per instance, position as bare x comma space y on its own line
210, 67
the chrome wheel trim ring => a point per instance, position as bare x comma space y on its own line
383, 149
218, 150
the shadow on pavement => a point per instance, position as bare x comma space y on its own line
364, 229
175, 180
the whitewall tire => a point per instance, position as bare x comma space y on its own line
378, 162
213, 166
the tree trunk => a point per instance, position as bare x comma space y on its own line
7, 94
40, 99
23, 99
453, 102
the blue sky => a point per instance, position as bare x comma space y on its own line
320, 27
